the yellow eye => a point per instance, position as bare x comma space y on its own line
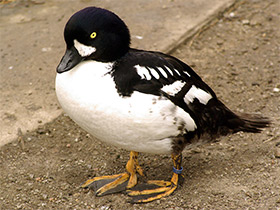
93, 35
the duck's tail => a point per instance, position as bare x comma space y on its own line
251, 123
248, 123
217, 119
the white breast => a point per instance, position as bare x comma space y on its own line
141, 122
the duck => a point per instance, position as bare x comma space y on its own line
138, 100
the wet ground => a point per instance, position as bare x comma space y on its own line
238, 56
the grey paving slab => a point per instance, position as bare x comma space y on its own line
31, 45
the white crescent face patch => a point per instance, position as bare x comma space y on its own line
83, 49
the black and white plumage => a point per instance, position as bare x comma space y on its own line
137, 100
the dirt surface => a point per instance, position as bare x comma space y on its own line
238, 56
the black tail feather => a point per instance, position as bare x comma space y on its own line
253, 123
216, 119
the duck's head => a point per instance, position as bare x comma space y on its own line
96, 34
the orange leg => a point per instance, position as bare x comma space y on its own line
119, 182
157, 189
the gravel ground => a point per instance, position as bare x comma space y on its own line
238, 56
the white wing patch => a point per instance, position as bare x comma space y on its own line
162, 72
143, 72
198, 93
168, 69
83, 49
173, 88
149, 72
187, 73
177, 72
154, 73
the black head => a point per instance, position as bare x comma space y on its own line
94, 33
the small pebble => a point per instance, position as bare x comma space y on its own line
46, 49
277, 152
231, 14
196, 150
38, 1
255, 47
41, 130
245, 22
95, 152
220, 42
138, 37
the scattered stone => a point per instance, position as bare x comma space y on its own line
42, 130
220, 42
277, 152
196, 150
255, 84
46, 49
20, 19
104, 207
9, 116
95, 152
38, 1
208, 172
255, 47
245, 22
231, 14
33, 107
138, 37
19, 206
38, 179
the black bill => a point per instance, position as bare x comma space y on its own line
70, 59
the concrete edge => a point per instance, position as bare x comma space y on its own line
202, 26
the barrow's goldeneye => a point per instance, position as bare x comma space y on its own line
141, 101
